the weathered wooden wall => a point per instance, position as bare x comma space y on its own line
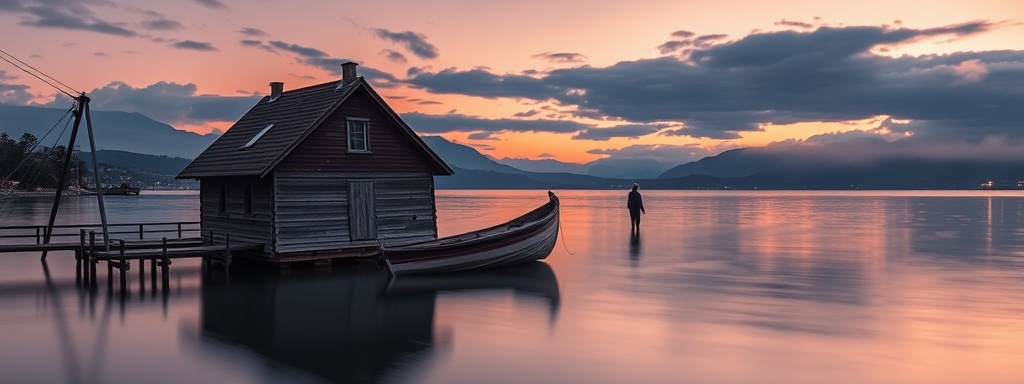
253, 228
391, 150
405, 209
312, 212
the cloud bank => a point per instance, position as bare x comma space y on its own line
720, 89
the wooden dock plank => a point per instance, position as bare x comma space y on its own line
67, 246
8, 248
174, 253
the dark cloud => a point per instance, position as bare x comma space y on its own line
305, 52
631, 131
545, 155
685, 42
257, 44
162, 24
64, 14
394, 56
706, 40
416, 43
826, 44
455, 122
797, 24
168, 102
212, 4
865, 147
530, 113
424, 102
825, 75
253, 32
11, 93
561, 57
479, 82
194, 46
481, 136
317, 58
413, 71
101, 54
674, 45
683, 34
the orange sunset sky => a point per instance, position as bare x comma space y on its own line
571, 80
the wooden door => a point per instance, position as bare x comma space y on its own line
362, 222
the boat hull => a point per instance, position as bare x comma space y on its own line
129, 191
527, 238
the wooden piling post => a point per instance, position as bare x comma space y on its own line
92, 259
165, 265
79, 254
110, 275
124, 266
227, 252
142, 275
152, 274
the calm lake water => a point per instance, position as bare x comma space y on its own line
719, 287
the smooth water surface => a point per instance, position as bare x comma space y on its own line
719, 287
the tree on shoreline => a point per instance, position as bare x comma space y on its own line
25, 165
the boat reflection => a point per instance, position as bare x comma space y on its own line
351, 323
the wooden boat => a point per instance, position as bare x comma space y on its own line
526, 238
123, 189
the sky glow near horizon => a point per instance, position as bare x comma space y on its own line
570, 80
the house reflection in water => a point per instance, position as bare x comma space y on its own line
349, 324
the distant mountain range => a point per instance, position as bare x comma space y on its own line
609, 168
750, 168
155, 151
804, 169
122, 131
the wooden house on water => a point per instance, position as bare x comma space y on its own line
319, 172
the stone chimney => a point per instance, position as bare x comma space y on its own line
348, 72
276, 88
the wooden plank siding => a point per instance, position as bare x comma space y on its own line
405, 210
361, 212
326, 147
311, 212
255, 227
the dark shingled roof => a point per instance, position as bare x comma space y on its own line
295, 114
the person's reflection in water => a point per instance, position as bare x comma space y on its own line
634, 248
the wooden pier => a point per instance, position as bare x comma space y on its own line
135, 242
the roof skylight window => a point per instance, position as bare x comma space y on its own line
253, 140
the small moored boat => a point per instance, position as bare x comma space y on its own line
526, 238
123, 189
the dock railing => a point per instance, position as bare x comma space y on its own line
34, 234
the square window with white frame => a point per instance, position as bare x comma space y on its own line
358, 134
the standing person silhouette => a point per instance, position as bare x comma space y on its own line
635, 203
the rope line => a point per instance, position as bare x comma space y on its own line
562, 233
38, 75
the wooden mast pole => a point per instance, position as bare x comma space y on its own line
96, 176
82, 101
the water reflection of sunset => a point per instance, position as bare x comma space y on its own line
721, 286
846, 286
